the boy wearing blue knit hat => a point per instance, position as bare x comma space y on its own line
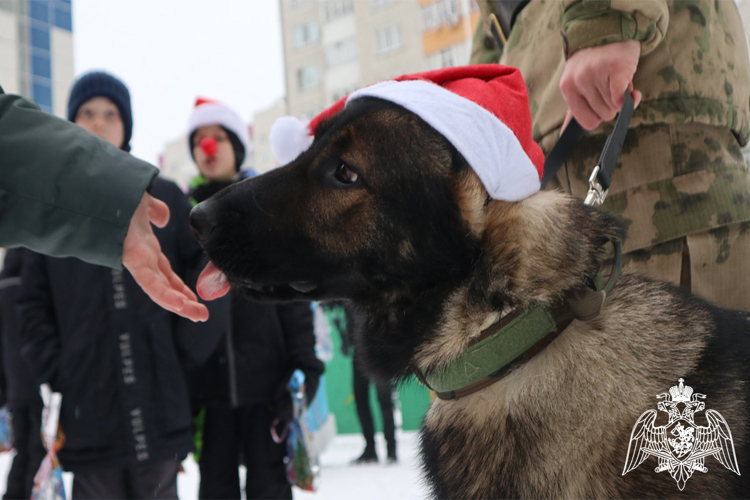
100, 103
107, 347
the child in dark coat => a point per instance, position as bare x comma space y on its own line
241, 392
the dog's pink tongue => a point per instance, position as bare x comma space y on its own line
212, 283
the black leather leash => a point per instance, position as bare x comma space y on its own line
601, 177
560, 152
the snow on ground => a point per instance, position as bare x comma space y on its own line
338, 479
341, 481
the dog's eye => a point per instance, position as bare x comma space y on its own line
346, 175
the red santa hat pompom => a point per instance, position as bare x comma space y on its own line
209, 112
483, 110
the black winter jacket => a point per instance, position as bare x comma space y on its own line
19, 386
263, 346
98, 339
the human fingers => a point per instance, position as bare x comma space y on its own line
191, 308
158, 211
582, 111
194, 311
574, 83
155, 285
174, 280
618, 84
599, 103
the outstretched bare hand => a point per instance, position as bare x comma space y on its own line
142, 256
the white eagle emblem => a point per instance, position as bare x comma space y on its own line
680, 445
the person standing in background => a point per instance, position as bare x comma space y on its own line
95, 337
681, 185
21, 391
342, 319
240, 393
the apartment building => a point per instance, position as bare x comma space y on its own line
332, 47
36, 51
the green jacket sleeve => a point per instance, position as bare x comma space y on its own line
63, 191
587, 23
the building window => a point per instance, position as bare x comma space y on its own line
380, 3
63, 19
39, 11
441, 12
447, 58
341, 52
338, 8
450, 56
388, 38
40, 38
307, 77
452, 11
305, 34
42, 95
40, 66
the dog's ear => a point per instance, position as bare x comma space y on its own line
471, 198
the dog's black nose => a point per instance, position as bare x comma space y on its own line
202, 221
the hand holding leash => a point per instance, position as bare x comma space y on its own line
594, 80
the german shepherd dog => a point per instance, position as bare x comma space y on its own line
383, 211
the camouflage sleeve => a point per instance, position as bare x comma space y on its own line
484, 50
587, 23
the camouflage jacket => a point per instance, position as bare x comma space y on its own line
693, 69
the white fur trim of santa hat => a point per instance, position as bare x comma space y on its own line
289, 138
208, 113
487, 144
482, 110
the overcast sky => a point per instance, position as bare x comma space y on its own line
170, 51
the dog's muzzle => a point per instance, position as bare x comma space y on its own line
202, 221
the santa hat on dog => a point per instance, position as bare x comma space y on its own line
483, 110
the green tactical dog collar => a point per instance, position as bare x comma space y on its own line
487, 360
516, 338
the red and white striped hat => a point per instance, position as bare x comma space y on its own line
483, 110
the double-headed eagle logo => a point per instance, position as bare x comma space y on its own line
685, 452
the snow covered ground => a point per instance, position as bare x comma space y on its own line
338, 481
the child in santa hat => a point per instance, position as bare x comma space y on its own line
240, 392
219, 142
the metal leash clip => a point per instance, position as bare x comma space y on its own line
597, 194
601, 177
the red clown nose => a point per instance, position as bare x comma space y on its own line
209, 146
